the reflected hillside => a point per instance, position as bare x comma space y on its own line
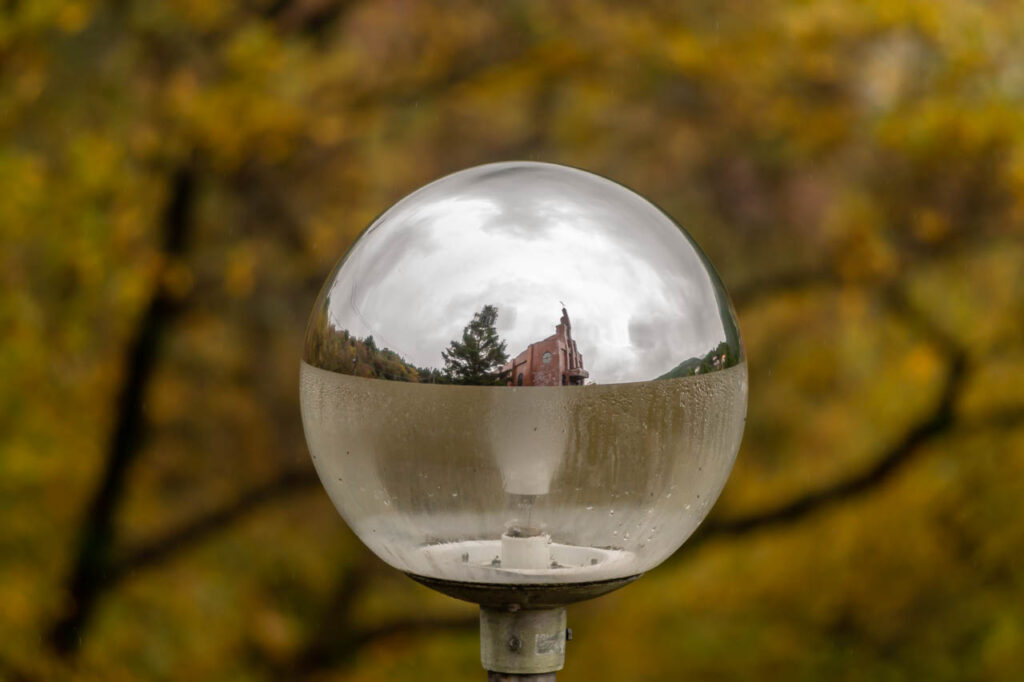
336, 350
721, 357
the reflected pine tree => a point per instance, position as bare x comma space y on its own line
477, 360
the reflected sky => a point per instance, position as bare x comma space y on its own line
528, 238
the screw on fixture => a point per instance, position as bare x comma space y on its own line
515, 644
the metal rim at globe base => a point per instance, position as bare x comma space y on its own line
523, 596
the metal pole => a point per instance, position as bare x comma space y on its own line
522, 645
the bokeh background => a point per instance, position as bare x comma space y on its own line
177, 178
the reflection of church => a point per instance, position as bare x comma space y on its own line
554, 361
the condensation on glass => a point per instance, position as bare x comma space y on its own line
523, 373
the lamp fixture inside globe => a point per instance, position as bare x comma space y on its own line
523, 386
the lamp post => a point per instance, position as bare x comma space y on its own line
523, 386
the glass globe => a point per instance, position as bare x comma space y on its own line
523, 375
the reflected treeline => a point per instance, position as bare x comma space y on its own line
478, 358
338, 351
333, 349
721, 357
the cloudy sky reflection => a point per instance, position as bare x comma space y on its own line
528, 237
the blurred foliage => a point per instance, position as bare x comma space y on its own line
178, 178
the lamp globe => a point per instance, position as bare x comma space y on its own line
523, 386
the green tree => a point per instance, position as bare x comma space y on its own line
478, 358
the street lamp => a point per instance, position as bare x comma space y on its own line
523, 386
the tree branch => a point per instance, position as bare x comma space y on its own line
939, 421
199, 529
765, 286
311, 18
332, 639
339, 652
96, 535
759, 288
12, 673
936, 423
416, 625
93, 570
1005, 418
336, 640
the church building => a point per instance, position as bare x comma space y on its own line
554, 361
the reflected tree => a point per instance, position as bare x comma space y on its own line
478, 358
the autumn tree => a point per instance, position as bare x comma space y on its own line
179, 178
478, 358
